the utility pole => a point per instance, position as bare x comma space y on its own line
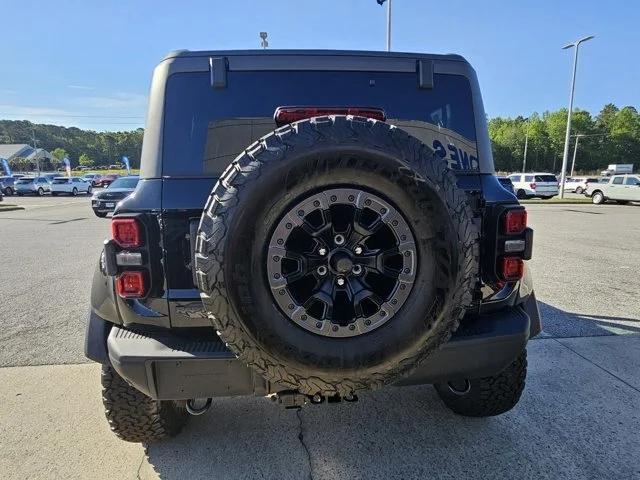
575, 151
526, 145
565, 155
35, 148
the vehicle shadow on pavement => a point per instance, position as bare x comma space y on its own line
560, 323
569, 410
254, 438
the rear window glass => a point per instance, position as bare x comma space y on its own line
546, 178
124, 183
59, 181
206, 128
25, 181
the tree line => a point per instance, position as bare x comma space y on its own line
612, 136
82, 147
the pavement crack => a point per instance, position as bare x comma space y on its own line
598, 366
302, 442
144, 455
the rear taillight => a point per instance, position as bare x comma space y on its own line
511, 268
126, 232
131, 284
285, 115
532, 186
514, 221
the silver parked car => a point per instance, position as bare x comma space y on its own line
32, 186
70, 185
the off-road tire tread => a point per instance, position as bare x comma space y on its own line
133, 416
489, 396
245, 169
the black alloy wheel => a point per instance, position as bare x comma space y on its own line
341, 262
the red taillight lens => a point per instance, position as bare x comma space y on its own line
532, 186
126, 232
131, 285
285, 115
511, 268
515, 221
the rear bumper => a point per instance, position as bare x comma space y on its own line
171, 365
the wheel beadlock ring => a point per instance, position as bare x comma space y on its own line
296, 222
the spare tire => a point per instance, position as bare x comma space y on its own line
335, 254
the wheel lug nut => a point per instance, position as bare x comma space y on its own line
322, 251
322, 270
358, 250
340, 281
338, 239
357, 269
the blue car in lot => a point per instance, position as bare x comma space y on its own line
7, 185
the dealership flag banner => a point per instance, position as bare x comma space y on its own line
7, 169
67, 165
125, 160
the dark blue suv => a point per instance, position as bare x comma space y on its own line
309, 225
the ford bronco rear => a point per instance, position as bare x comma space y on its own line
310, 225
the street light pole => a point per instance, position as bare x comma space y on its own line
565, 155
381, 2
388, 25
575, 151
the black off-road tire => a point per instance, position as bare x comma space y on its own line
133, 416
269, 178
521, 194
488, 396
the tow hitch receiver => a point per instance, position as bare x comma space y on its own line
291, 399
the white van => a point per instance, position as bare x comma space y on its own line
531, 185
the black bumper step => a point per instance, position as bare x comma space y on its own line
168, 366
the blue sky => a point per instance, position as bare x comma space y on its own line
88, 63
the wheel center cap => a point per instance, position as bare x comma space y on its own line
341, 262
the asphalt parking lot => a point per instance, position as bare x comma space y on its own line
578, 417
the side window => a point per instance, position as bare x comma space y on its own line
515, 178
528, 178
75, 180
632, 181
618, 180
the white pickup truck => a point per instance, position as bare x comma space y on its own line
620, 188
